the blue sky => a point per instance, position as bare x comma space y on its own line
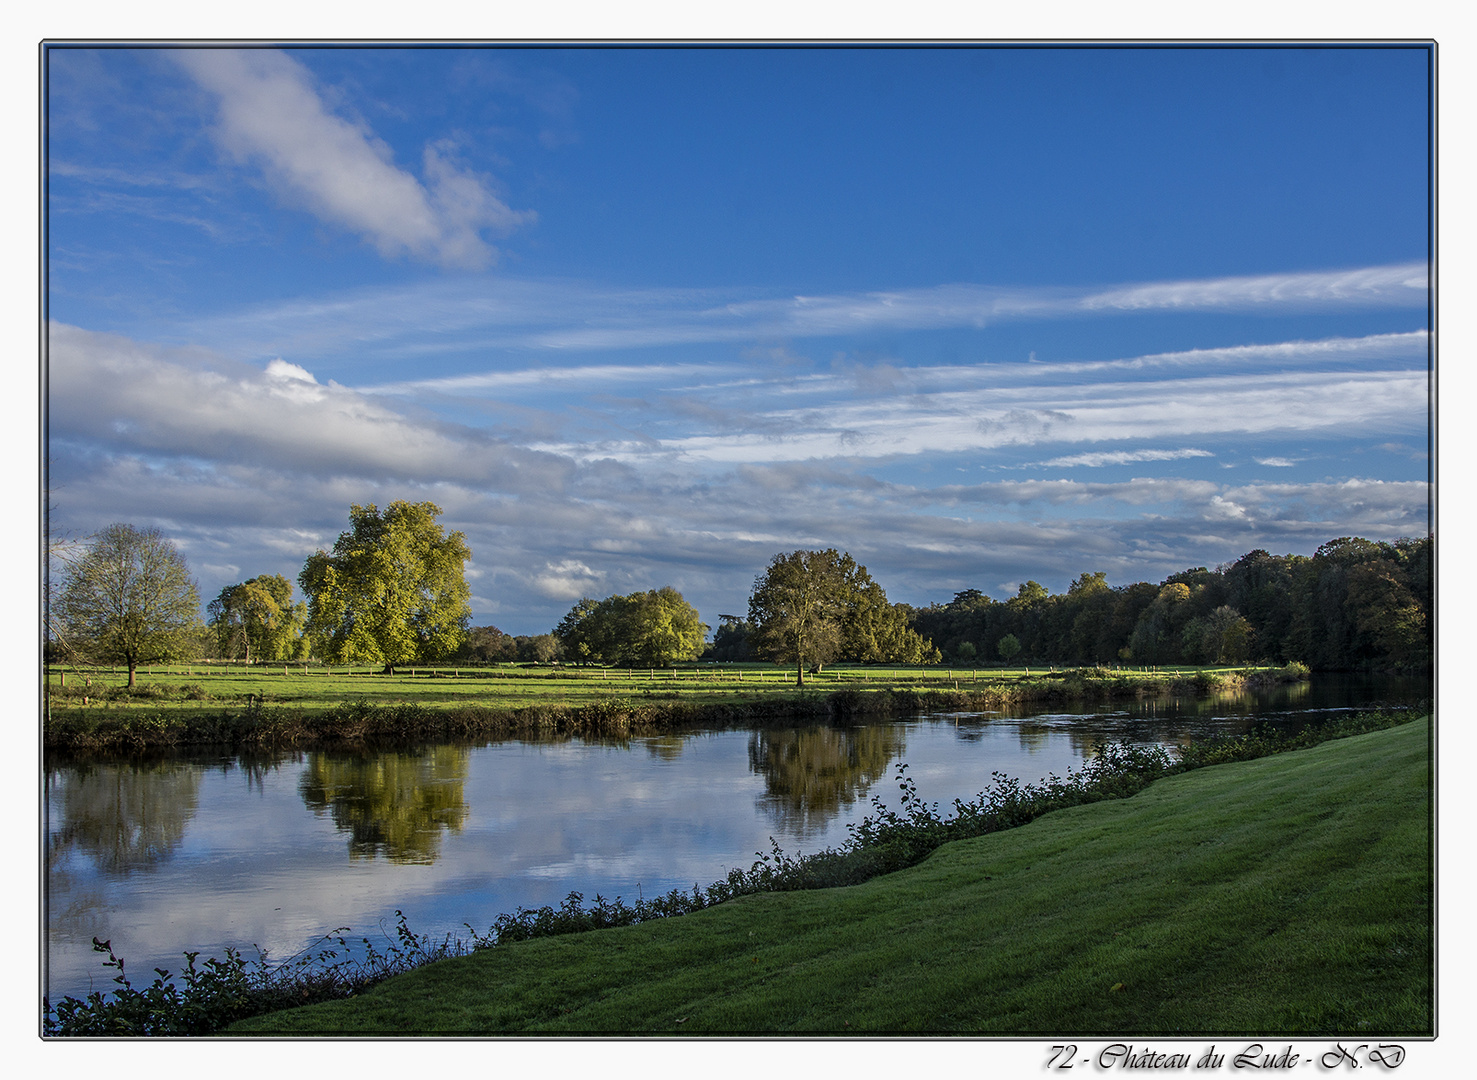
637, 317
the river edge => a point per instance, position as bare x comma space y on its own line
1334, 931
204, 1005
354, 724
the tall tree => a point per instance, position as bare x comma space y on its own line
797, 608
257, 617
812, 607
129, 599
392, 590
645, 629
731, 640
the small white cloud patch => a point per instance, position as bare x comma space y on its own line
281, 369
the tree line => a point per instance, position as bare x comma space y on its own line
392, 591
1354, 603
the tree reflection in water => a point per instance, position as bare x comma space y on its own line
810, 775
393, 804
124, 817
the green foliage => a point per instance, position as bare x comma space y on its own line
258, 620
1009, 647
797, 607
219, 992
731, 640
487, 645
812, 607
129, 599
649, 629
392, 591
1354, 604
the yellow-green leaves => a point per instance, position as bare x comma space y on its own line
392, 590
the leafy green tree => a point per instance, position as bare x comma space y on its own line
1222, 637
876, 632
798, 605
391, 591
811, 607
1158, 636
258, 618
1389, 624
537, 648
586, 633
1009, 647
646, 629
487, 644
731, 640
966, 651
129, 599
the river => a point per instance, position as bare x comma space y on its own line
203, 852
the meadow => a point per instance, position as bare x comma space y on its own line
209, 685
305, 704
1287, 895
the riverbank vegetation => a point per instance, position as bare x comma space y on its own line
301, 705
1283, 896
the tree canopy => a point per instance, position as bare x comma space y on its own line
644, 629
129, 599
1354, 603
258, 619
811, 607
392, 590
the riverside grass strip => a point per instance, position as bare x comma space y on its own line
1285, 896
185, 706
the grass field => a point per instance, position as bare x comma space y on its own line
93, 712
204, 687
1290, 895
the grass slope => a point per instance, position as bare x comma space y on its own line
1287, 895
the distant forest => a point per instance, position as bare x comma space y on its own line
1354, 604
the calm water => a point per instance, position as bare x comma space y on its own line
204, 853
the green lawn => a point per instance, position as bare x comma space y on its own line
1291, 895
200, 687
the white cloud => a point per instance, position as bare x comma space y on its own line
1276, 462
566, 580
1123, 457
187, 404
459, 315
271, 114
1403, 284
987, 418
281, 369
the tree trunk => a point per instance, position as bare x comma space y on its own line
800, 672
132, 674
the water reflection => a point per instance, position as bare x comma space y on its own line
811, 774
398, 805
209, 852
125, 818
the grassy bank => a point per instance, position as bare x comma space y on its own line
300, 707
1288, 895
